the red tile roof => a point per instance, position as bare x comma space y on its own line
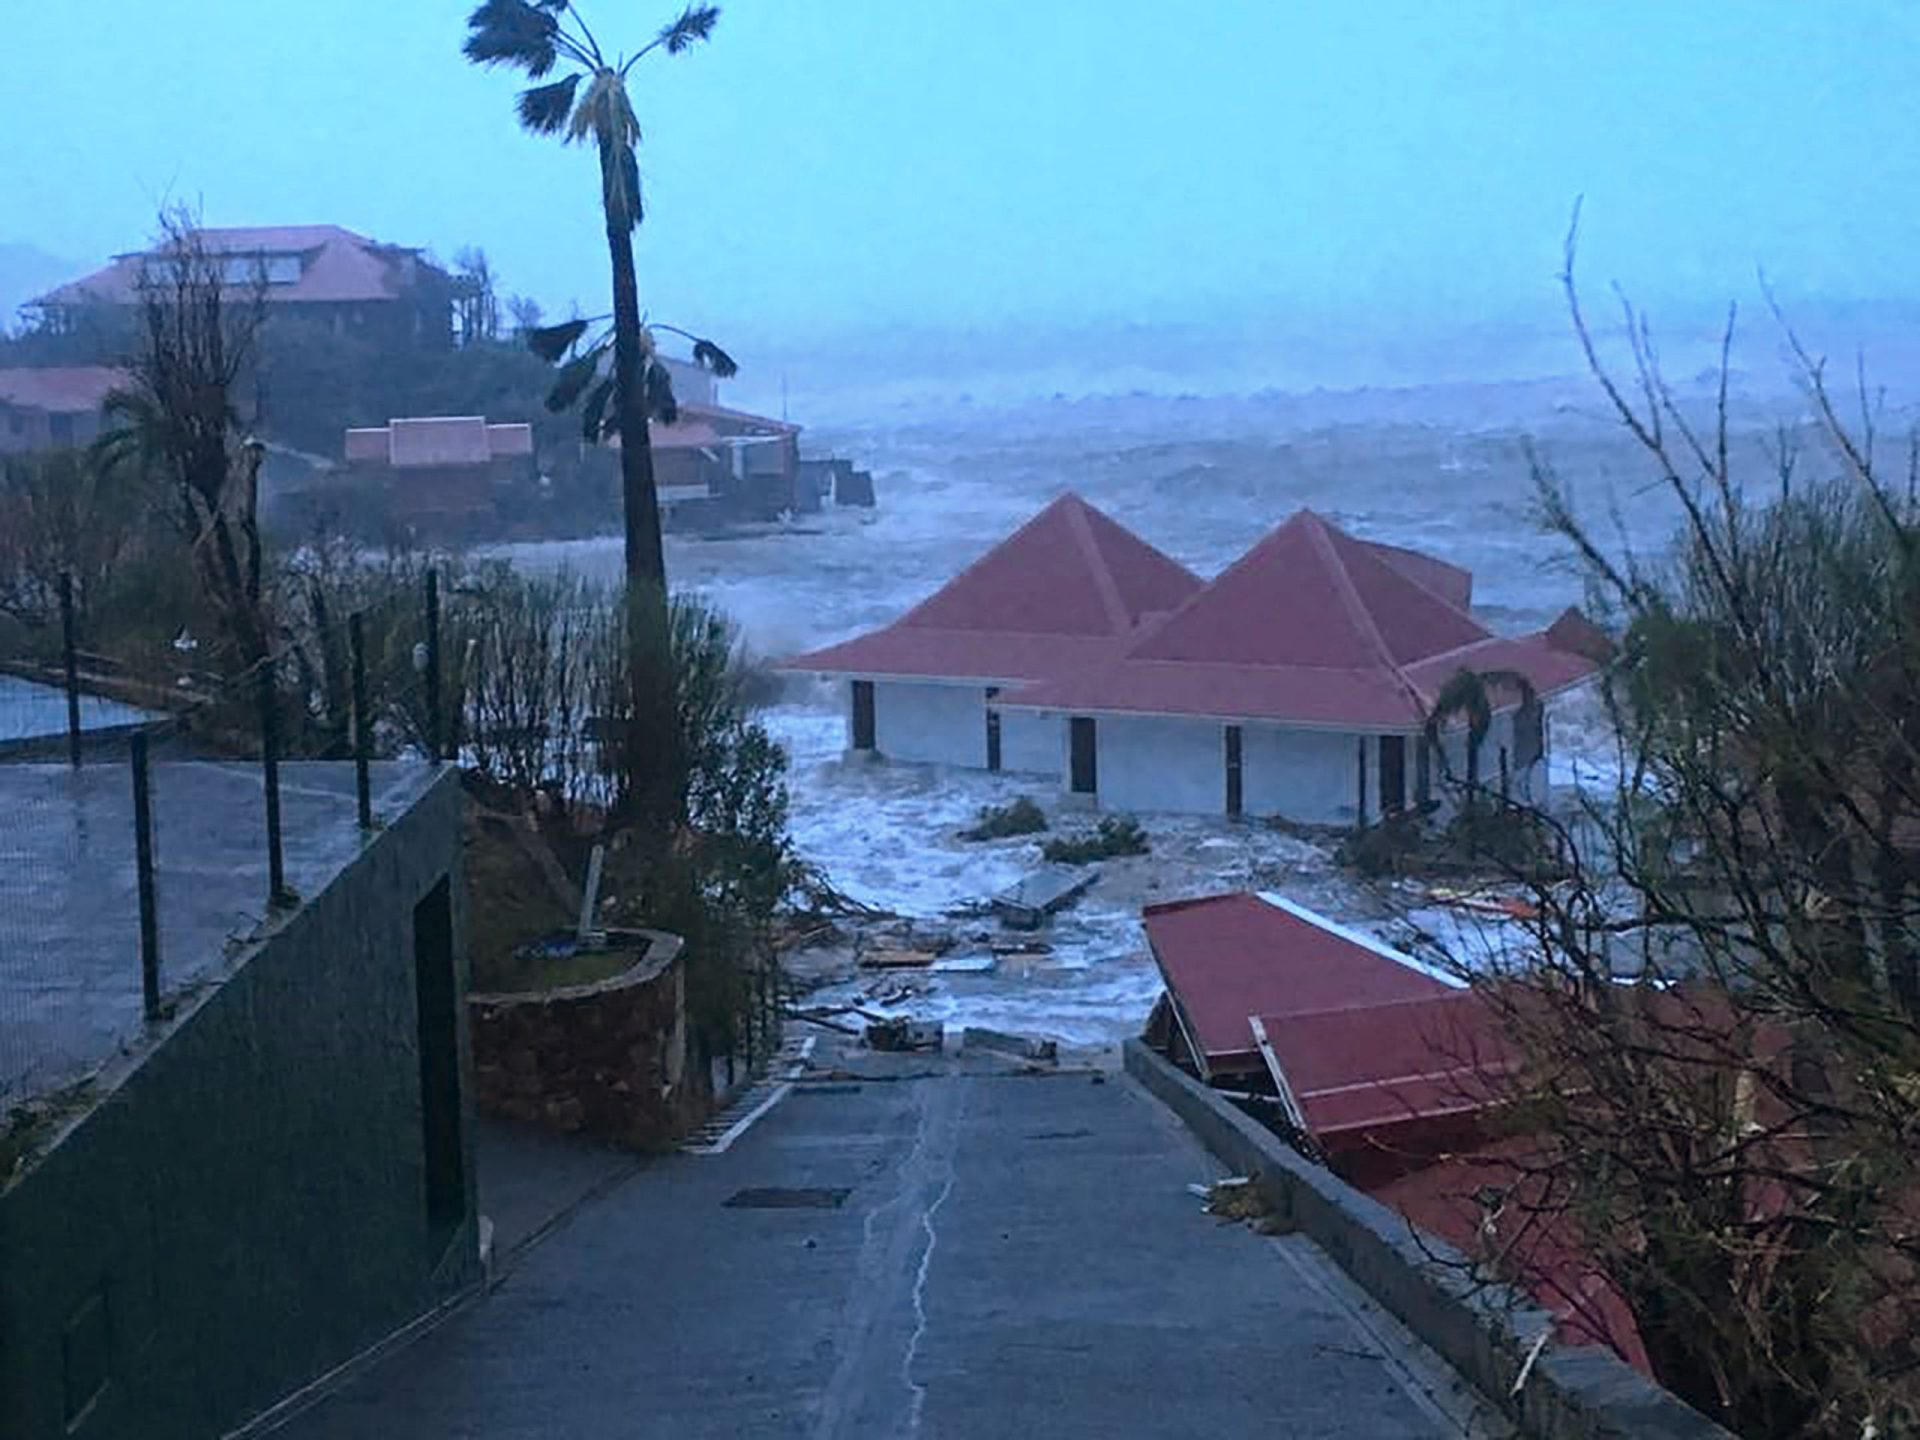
337, 266
1060, 592
62, 390
1310, 627
1227, 958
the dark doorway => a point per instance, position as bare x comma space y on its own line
1423, 773
1393, 774
993, 730
437, 1001
1082, 765
1235, 794
863, 714
1360, 810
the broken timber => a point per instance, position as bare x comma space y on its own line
1027, 904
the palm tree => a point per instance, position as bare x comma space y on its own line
591, 103
1470, 695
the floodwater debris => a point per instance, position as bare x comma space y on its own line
901, 1034
1027, 904
1022, 1047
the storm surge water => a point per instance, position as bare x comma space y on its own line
1450, 470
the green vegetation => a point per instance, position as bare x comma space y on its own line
1115, 836
998, 822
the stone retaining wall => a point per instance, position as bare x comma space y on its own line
609, 1059
1571, 1393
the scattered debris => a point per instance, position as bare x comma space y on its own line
998, 822
1022, 1047
896, 959
1027, 904
1237, 1197
1021, 947
966, 964
1113, 837
903, 1034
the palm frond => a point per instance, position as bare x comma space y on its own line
544, 108
662, 405
574, 377
694, 25
593, 415
550, 342
710, 356
512, 32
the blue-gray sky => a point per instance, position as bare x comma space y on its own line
835, 163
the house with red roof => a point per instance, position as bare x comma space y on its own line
53, 408
441, 475
1299, 683
1065, 590
389, 293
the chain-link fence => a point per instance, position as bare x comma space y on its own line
158, 808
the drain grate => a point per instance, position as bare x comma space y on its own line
781, 1197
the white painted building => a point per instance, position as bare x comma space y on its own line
1067, 588
1297, 684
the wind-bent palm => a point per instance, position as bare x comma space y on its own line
591, 103
1469, 694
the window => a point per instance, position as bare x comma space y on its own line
1393, 774
437, 1017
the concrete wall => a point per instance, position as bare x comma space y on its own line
1032, 743
1484, 1332
944, 724
1311, 776
246, 1209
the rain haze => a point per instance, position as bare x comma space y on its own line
877, 754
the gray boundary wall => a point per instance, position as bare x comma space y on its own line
244, 1206
1571, 1393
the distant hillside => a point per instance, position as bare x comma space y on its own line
26, 272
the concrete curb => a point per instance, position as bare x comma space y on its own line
1576, 1393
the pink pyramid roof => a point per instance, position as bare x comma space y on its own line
1065, 589
1311, 627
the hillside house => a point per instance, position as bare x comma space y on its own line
55, 408
391, 294
438, 475
715, 465
1299, 683
1065, 589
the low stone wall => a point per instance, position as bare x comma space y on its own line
1571, 1393
608, 1059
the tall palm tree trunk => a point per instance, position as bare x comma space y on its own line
652, 759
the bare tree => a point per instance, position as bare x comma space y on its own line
1718, 1098
178, 417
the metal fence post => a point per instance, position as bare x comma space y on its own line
143, 870
70, 657
357, 640
270, 765
434, 731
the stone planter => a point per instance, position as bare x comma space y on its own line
608, 1059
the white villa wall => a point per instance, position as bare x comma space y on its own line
1149, 762
1031, 743
941, 724
1311, 776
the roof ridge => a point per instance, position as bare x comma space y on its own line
1323, 540
1103, 581
1414, 580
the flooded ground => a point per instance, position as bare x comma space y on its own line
1451, 470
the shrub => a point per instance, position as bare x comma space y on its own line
997, 822
1115, 836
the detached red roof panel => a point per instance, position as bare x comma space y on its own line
1227, 958
1059, 593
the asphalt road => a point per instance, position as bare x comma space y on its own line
963, 1254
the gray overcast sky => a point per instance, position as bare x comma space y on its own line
828, 163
